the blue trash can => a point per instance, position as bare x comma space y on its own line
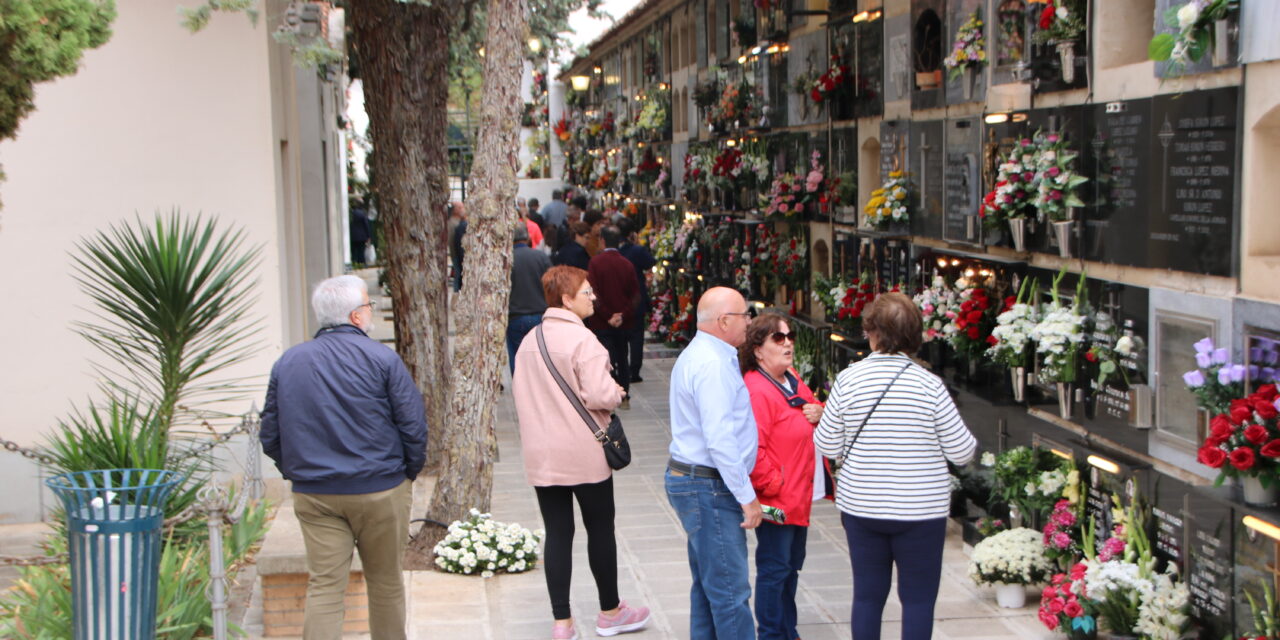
114, 518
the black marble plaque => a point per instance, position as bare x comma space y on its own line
928, 48
1210, 566
893, 146
1109, 407
869, 68
1098, 499
925, 153
1194, 199
1119, 145
962, 181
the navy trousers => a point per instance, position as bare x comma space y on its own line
875, 546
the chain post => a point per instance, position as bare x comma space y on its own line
253, 483
213, 502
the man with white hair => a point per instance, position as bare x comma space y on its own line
708, 479
345, 424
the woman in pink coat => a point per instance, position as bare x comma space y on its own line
562, 459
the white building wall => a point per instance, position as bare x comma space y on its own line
157, 118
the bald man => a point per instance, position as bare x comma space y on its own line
713, 449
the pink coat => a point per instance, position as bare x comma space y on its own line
558, 448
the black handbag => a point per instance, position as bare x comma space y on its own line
617, 451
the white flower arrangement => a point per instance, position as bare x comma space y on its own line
1163, 612
934, 303
482, 545
1015, 556
1049, 484
1013, 333
1058, 337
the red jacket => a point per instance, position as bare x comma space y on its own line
613, 278
783, 476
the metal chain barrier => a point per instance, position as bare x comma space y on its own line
32, 561
28, 453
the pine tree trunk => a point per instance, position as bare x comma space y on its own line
468, 449
404, 55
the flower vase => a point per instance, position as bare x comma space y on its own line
1018, 231
1019, 375
966, 82
1065, 400
1067, 55
1062, 233
1011, 596
1257, 495
1220, 36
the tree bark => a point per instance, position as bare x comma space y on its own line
481, 322
404, 57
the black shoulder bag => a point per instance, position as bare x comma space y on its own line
836, 464
617, 451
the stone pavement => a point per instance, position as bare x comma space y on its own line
653, 568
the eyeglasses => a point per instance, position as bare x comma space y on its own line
779, 337
745, 314
588, 293
373, 306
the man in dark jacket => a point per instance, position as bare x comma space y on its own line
527, 302
642, 259
613, 278
574, 252
345, 423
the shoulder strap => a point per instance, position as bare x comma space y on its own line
596, 431
849, 446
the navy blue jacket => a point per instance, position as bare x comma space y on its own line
343, 415
574, 255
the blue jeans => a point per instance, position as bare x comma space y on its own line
779, 557
517, 328
719, 607
875, 546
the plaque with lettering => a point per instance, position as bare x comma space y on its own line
1114, 408
925, 154
1194, 199
1210, 566
868, 68
962, 178
1119, 145
1098, 499
893, 146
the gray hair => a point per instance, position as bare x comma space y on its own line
521, 232
334, 299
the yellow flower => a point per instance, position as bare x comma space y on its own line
895, 174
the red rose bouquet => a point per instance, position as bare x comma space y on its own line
973, 320
1064, 603
1245, 441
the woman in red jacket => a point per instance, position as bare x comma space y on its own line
785, 471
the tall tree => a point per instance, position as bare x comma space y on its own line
468, 445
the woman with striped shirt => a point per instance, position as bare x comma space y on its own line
894, 426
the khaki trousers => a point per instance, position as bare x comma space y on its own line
376, 525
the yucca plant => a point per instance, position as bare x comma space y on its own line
172, 309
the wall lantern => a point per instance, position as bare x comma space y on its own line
580, 83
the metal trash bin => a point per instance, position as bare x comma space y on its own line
114, 518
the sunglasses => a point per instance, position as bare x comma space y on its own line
780, 337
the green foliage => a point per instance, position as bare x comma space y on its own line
172, 308
41, 40
1265, 612
198, 18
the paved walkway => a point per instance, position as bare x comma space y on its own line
653, 568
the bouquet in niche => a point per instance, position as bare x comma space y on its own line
935, 302
1245, 440
1195, 35
890, 203
1059, 335
1055, 178
973, 320
1060, 21
1015, 187
969, 51
1011, 337
1216, 381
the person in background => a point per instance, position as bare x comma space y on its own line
457, 229
595, 220
613, 278
535, 231
786, 476
642, 259
536, 216
893, 488
573, 214
574, 252
708, 479
555, 212
527, 302
562, 459
346, 426
361, 230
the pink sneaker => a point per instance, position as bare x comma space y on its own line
626, 619
564, 633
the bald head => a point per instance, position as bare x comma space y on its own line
722, 312
458, 210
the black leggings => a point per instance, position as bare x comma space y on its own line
596, 503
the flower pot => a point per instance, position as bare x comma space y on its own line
1221, 33
1257, 495
1019, 376
928, 79
1067, 55
1011, 596
1062, 233
1065, 400
1018, 231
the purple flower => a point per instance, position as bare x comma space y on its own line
1267, 374
1224, 376
1253, 372
1204, 346
1196, 379
1272, 357
1203, 360
1237, 372
1276, 404
1220, 356
1255, 354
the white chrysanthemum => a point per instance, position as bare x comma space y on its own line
1015, 556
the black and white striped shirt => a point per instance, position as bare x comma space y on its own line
897, 469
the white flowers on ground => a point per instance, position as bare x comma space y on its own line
481, 545
1015, 556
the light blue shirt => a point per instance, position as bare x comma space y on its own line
711, 420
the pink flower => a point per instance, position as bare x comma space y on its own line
1073, 609
1056, 606
1053, 172
784, 207
1061, 540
